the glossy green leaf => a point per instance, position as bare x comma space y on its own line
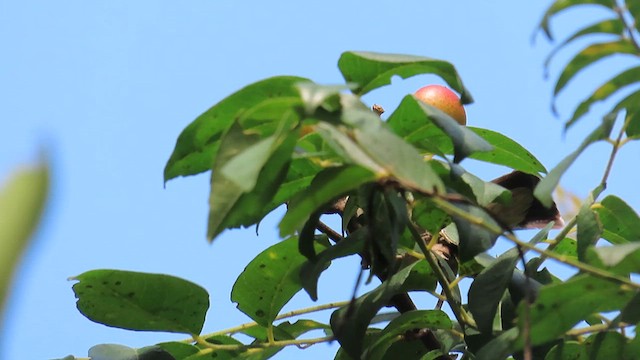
419, 319
559, 307
589, 228
311, 270
482, 192
234, 202
141, 301
568, 350
350, 322
559, 6
619, 220
327, 185
474, 238
621, 80
269, 281
388, 219
22, 201
545, 187
429, 217
631, 313
590, 55
487, 289
198, 143
369, 70
618, 259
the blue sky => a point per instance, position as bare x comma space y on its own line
106, 86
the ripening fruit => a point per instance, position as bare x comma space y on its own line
444, 99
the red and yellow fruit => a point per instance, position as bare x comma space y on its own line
444, 99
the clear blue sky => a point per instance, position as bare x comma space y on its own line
106, 87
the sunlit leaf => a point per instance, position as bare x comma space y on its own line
559, 6
590, 55
619, 220
545, 188
141, 301
621, 80
22, 200
419, 319
608, 26
500, 347
198, 143
269, 281
370, 70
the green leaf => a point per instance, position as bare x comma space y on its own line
619, 220
198, 143
500, 347
568, 350
346, 148
22, 201
112, 352
474, 238
605, 345
589, 228
370, 70
393, 154
618, 259
607, 89
559, 6
178, 350
311, 270
130, 300
506, 152
559, 307
230, 203
419, 319
416, 127
432, 130
608, 26
269, 281
546, 186
488, 288
314, 95
350, 322
326, 186
567, 247
465, 142
590, 55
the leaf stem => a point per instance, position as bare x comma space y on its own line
454, 210
290, 314
457, 309
281, 343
